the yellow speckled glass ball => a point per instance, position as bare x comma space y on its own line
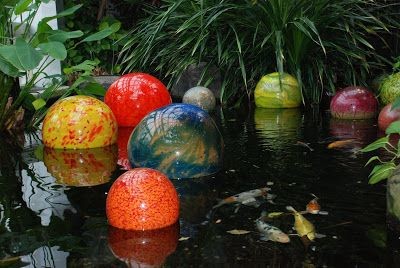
79, 122
270, 93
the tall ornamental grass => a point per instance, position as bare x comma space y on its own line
324, 43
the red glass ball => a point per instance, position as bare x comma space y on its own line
354, 102
134, 95
387, 116
142, 199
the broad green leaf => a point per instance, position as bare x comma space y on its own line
394, 127
381, 172
21, 6
8, 68
38, 103
27, 55
93, 89
63, 13
62, 36
9, 54
56, 50
103, 33
379, 143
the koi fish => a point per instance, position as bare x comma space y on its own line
304, 145
271, 233
313, 206
302, 226
246, 198
341, 143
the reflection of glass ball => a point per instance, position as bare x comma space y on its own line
362, 130
81, 167
180, 140
277, 126
142, 199
200, 96
123, 137
79, 122
143, 248
134, 95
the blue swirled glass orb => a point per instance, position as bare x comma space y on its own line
180, 140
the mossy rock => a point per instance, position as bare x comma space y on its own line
272, 93
390, 89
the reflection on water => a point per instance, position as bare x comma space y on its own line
278, 128
261, 149
143, 248
42, 195
81, 167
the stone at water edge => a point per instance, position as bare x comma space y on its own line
142, 199
354, 102
272, 92
79, 122
132, 96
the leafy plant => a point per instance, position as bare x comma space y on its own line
28, 55
385, 167
321, 42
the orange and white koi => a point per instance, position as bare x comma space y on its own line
313, 206
271, 233
341, 143
247, 198
302, 226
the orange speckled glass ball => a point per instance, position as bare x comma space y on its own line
134, 95
142, 199
79, 122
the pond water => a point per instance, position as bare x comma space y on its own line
48, 220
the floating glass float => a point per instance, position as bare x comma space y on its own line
277, 91
180, 140
79, 122
81, 167
354, 102
387, 116
134, 95
200, 96
142, 199
143, 248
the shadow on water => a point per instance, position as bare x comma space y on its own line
52, 204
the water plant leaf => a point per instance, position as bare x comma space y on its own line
394, 127
21, 55
103, 33
55, 49
373, 159
62, 36
21, 6
238, 232
275, 214
38, 103
379, 143
381, 172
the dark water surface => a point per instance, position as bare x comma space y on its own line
47, 224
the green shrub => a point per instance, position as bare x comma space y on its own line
322, 42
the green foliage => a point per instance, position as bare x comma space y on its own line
320, 42
385, 167
29, 54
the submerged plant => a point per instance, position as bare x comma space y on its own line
320, 42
